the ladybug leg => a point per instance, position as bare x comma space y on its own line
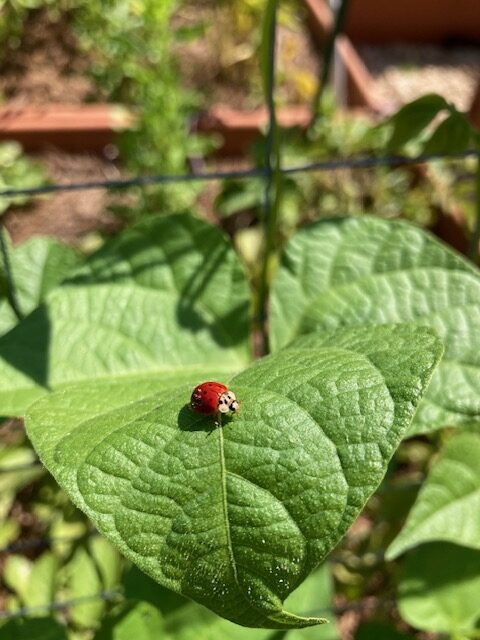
218, 420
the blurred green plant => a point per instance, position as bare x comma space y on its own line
14, 12
382, 191
130, 44
432, 125
17, 171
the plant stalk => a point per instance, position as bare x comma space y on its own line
273, 178
328, 59
11, 291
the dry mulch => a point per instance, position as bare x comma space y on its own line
403, 72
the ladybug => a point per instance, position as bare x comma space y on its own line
213, 397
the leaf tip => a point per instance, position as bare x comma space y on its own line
284, 619
395, 549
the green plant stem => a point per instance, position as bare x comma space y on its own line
273, 179
11, 292
328, 59
475, 239
274, 186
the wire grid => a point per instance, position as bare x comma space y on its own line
266, 174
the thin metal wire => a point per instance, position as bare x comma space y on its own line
140, 181
322, 165
62, 604
371, 162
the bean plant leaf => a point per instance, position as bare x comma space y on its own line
363, 271
167, 298
237, 517
413, 118
33, 582
37, 266
453, 135
448, 505
83, 582
439, 589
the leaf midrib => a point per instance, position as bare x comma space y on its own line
223, 474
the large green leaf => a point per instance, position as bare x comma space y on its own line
439, 589
37, 266
168, 298
360, 271
237, 517
448, 505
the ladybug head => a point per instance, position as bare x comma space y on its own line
227, 402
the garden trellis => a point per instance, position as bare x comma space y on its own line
268, 174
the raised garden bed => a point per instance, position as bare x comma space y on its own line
70, 127
383, 76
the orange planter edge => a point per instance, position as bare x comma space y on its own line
239, 129
69, 127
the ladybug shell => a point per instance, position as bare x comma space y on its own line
205, 397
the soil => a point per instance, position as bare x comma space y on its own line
46, 66
67, 215
223, 67
403, 72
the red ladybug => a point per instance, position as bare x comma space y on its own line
213, 397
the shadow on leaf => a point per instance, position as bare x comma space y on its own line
26, 346
188, 420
